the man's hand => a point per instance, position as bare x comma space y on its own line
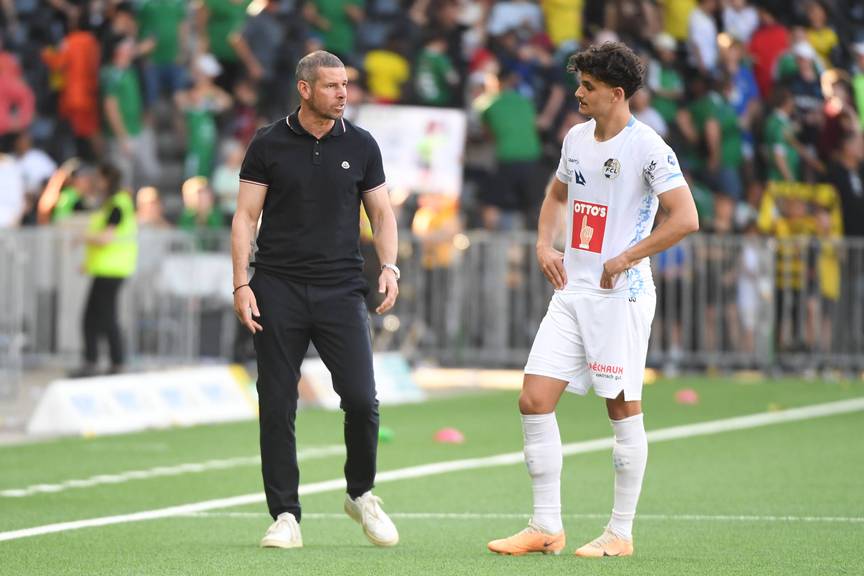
388, 286
246, 307
612, 268
552, 264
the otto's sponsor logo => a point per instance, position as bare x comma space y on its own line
610, 371
589, 226
589, 209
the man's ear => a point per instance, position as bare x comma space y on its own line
305, 89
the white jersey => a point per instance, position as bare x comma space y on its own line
612, 190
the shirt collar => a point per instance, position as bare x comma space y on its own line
293, 122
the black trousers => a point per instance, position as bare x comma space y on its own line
335, 319
100, 320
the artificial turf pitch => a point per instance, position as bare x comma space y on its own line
786, 498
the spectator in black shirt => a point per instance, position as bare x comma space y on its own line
847, 176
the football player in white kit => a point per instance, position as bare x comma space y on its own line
613, 173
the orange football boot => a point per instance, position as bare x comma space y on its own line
607, 544
531, 539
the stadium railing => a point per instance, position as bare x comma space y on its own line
12, 332
723, 302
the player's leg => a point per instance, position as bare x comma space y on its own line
553, 363
341, 335
544, 459
542, 447
618, 376
280, 348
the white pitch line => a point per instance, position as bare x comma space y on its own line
518, 516
674, 432
162, 471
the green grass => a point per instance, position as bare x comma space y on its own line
811, 468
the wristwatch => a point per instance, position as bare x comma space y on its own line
394, 268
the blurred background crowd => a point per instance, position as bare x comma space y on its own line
763, 102
171, 92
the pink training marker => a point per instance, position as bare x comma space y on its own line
449, 436
687, 396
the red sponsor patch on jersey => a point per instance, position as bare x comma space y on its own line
589, 226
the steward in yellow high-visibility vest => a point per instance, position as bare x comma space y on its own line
115, 258
110, 257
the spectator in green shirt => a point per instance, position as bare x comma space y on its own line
163, 22
201, 216
435, 77
517, 187
222, 19
200, 211
336, 21
664, 80
725, 143
131, 148
783, 150
200, 105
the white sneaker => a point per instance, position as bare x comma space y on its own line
283, 533
377, 526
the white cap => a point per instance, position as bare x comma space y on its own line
664, 41
804, 50
208, 65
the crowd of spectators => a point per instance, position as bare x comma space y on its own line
748, 93
763, 101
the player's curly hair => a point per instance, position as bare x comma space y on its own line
613, 63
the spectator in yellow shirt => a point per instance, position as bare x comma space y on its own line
820, 36
386, 71
676, 16
563, 20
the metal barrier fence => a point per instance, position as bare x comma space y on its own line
11, 320
724, 302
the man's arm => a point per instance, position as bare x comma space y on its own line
548, 225
244, 52
681, 220
714, 139
250, 202
385, 236
780, 160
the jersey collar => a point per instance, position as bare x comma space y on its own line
293, 122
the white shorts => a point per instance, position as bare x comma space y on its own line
594, 341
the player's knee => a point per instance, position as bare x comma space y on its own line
543, 460
532, 404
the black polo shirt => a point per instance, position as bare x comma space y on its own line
310, 226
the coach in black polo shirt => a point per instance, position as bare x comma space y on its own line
306, 176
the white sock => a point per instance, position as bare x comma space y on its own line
629, 456
544, 460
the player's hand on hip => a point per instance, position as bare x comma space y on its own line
388, 286
552, 265
612, 268
246, 309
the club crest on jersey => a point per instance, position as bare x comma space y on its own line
611, 168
